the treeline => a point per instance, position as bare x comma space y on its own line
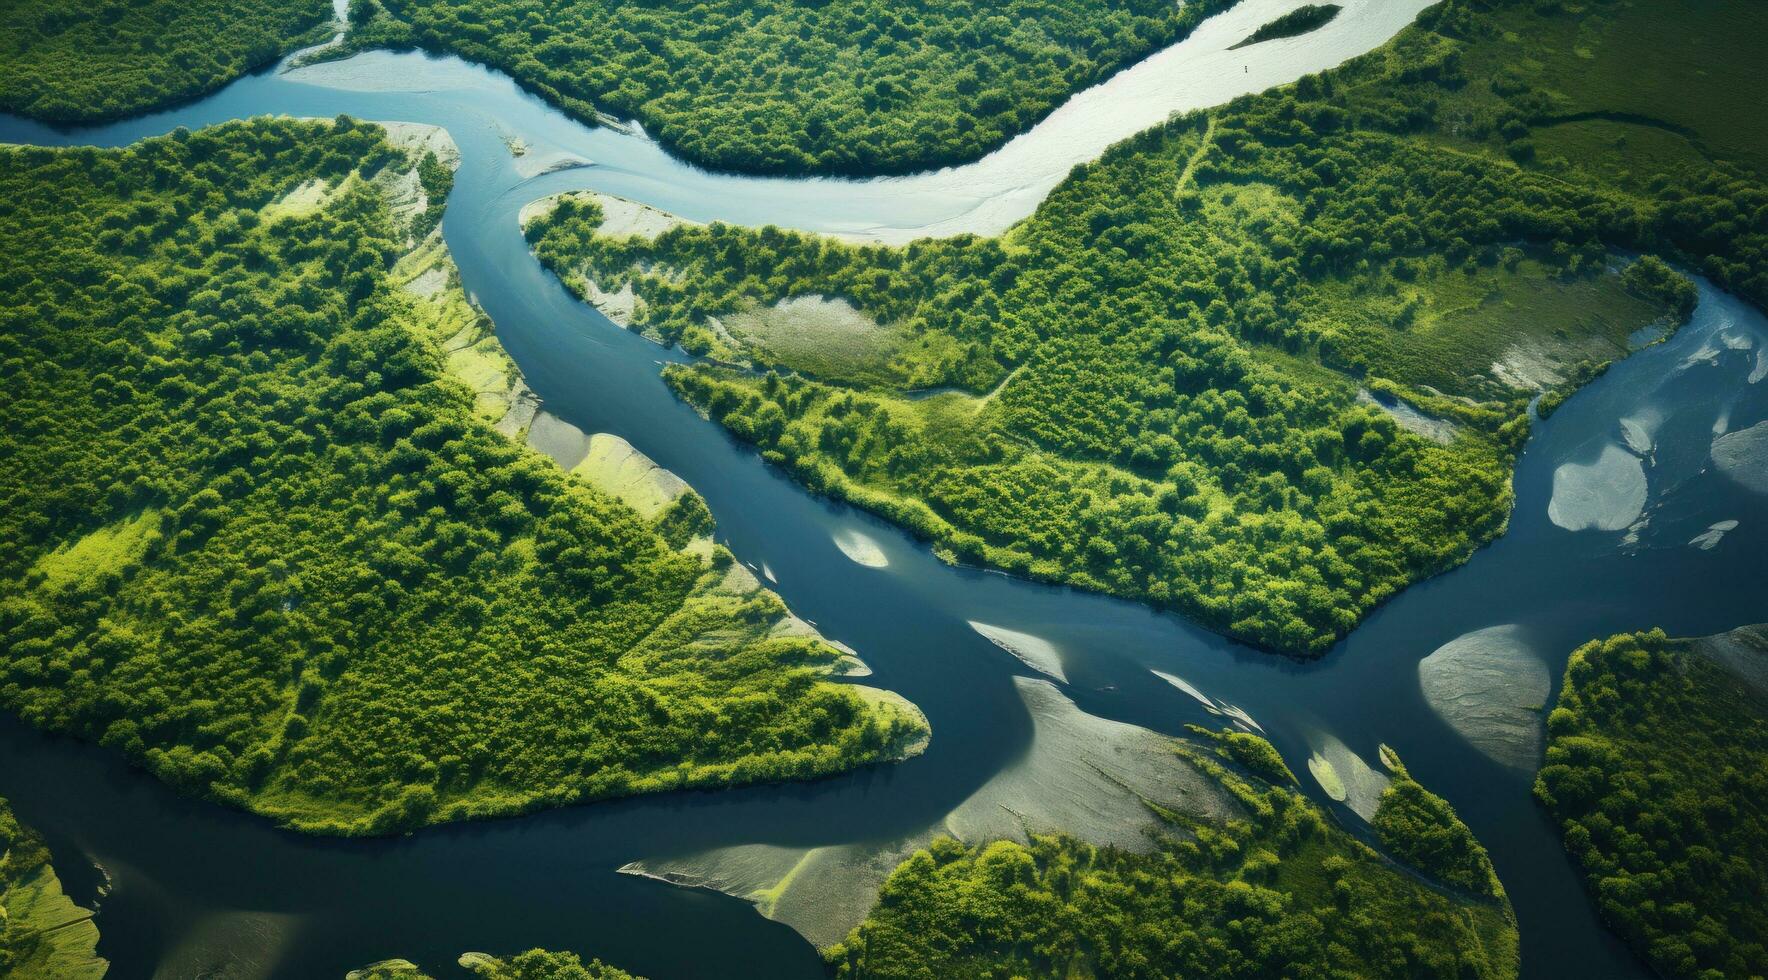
1302, 20
535, 964
848, 87
1657, 773
1283, 892
85, 60
1182, 328
256, 539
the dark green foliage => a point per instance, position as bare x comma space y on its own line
1657, 772
684, 519
1651, 278
83, 60
1301, 20
1284, 893
252, 536
1179, 332
436, 180
1421, 829
848, 86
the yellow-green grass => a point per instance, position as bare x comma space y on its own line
68, 938
440, 312
1487, 332
820, 336
614, 466
108, 550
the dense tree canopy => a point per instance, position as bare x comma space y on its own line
1282, 893
256, 537
1657, 772
1421, 829
81, 60
1151, 386
847, 86
1303, 19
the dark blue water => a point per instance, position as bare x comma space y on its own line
192, 881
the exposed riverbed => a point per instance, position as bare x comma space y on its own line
195, 884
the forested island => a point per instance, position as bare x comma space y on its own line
270, 530
1281, 891
1301, 20
1657, 774
1265, 365
83, 60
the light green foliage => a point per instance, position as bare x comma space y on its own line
1250, 752
1284, 893
43, 934
83, 60
535, 964
849, 86
538, 964
1182, 328
1657, 772
1421, 829
256, 537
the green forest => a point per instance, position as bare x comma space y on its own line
1657, 774
1282, 892
85, 60
261, 537
1421, 828
1301, 20
43, 934
784, 86
1174, 381
535, 964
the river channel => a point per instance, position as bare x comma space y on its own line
193, 885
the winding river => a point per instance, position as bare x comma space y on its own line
192, 884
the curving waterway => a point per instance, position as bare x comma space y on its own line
193, 884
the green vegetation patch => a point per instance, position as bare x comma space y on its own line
43, 934
1265, 366
820, 336
85, 60
1302, 20
1421, 829
1284, 892
1657, 772
261, 535
1251, 753
784, 86
535, 964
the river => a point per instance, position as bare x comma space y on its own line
191, 883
